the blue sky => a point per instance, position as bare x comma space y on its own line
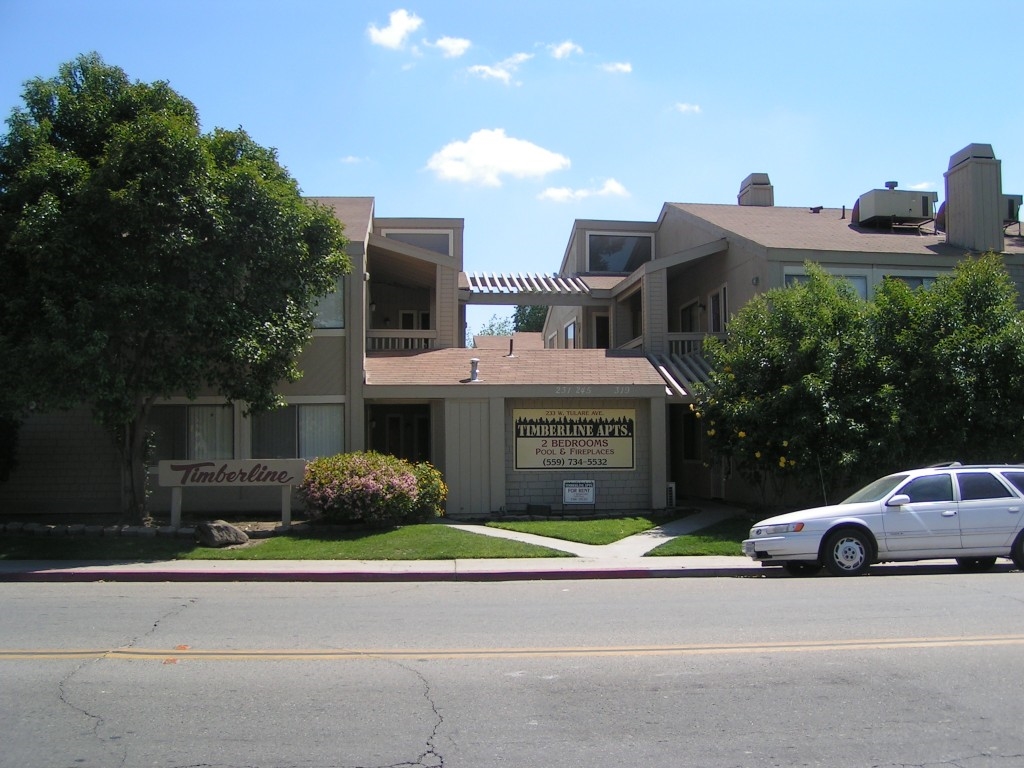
522, 116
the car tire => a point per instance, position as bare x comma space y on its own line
975, 564
801, 567
1017, 551
847, 552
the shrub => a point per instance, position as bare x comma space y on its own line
371, 488
432, 493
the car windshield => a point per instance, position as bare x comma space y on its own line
876, 490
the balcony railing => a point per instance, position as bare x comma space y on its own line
380, 340
689, 343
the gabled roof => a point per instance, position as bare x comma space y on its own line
785, 228
356, 213
528, 367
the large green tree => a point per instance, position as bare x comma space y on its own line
817, 385
795, 388
954, 356
142, 257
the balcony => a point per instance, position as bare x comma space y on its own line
380, 340
689, 343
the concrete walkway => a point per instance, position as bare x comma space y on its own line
621, 559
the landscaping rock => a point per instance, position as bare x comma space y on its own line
218, 533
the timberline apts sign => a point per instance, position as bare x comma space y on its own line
239, 473
574, 438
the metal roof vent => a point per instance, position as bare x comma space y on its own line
891, 207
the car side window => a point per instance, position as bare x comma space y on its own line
930, 488
980, 485
1017, 478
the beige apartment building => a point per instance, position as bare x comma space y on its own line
592, 415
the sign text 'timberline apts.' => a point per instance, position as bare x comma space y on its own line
574, 438
238, 473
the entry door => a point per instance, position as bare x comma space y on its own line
989, 512
929, 521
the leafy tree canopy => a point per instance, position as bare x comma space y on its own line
142, 257
529, 319
816, 385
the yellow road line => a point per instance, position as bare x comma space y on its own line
342, 654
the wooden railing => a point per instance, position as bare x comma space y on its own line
688, 343
380, 340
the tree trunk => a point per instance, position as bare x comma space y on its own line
132, 450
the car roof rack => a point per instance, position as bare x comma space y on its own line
944, 464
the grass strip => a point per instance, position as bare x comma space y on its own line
724, 538
584, 531
412, 542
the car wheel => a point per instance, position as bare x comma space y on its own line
1017, 551
975, 564
802, 567
847, 553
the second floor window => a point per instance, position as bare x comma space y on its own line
330, 310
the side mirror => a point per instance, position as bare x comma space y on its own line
898, 500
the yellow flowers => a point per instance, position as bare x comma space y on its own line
757, 454
711, 433
741, 434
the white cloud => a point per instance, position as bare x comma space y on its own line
503, 70
618, 67
453, 47
564, 50
489, 154
401, 24
688, 109
611, 188
353, 160
923, 186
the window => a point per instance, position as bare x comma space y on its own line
1017, 478
192, 432
914, 281
602, 332
859, 282
569, 336
411, 320
718, 310
689, 318
930, 488
428, 240
618, 252
298, 432
980, 485
330, 310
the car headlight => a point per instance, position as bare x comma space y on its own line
773, 530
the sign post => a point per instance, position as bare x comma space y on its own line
179, 474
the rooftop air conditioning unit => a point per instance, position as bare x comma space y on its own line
886, 207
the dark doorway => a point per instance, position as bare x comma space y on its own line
400, 430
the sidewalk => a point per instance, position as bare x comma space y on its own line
622, 559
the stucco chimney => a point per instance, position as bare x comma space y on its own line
756, 189
974, 200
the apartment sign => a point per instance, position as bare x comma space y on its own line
574, 438
280, 472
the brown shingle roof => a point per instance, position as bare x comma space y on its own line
799, 229
569, 367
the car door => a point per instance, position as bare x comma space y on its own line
929, 521
989, 511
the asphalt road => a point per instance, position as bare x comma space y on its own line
918, 669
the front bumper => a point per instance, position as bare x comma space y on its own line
790, 547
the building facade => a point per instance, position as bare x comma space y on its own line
593, 415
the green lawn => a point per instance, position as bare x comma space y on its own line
413, 542
724, 538
585, 531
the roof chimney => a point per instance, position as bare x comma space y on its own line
757, 190
974, 197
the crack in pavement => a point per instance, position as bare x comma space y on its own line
98, 721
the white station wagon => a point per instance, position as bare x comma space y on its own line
972, 513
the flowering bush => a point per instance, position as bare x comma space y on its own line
371, 488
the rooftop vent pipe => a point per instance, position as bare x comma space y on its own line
474, 369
